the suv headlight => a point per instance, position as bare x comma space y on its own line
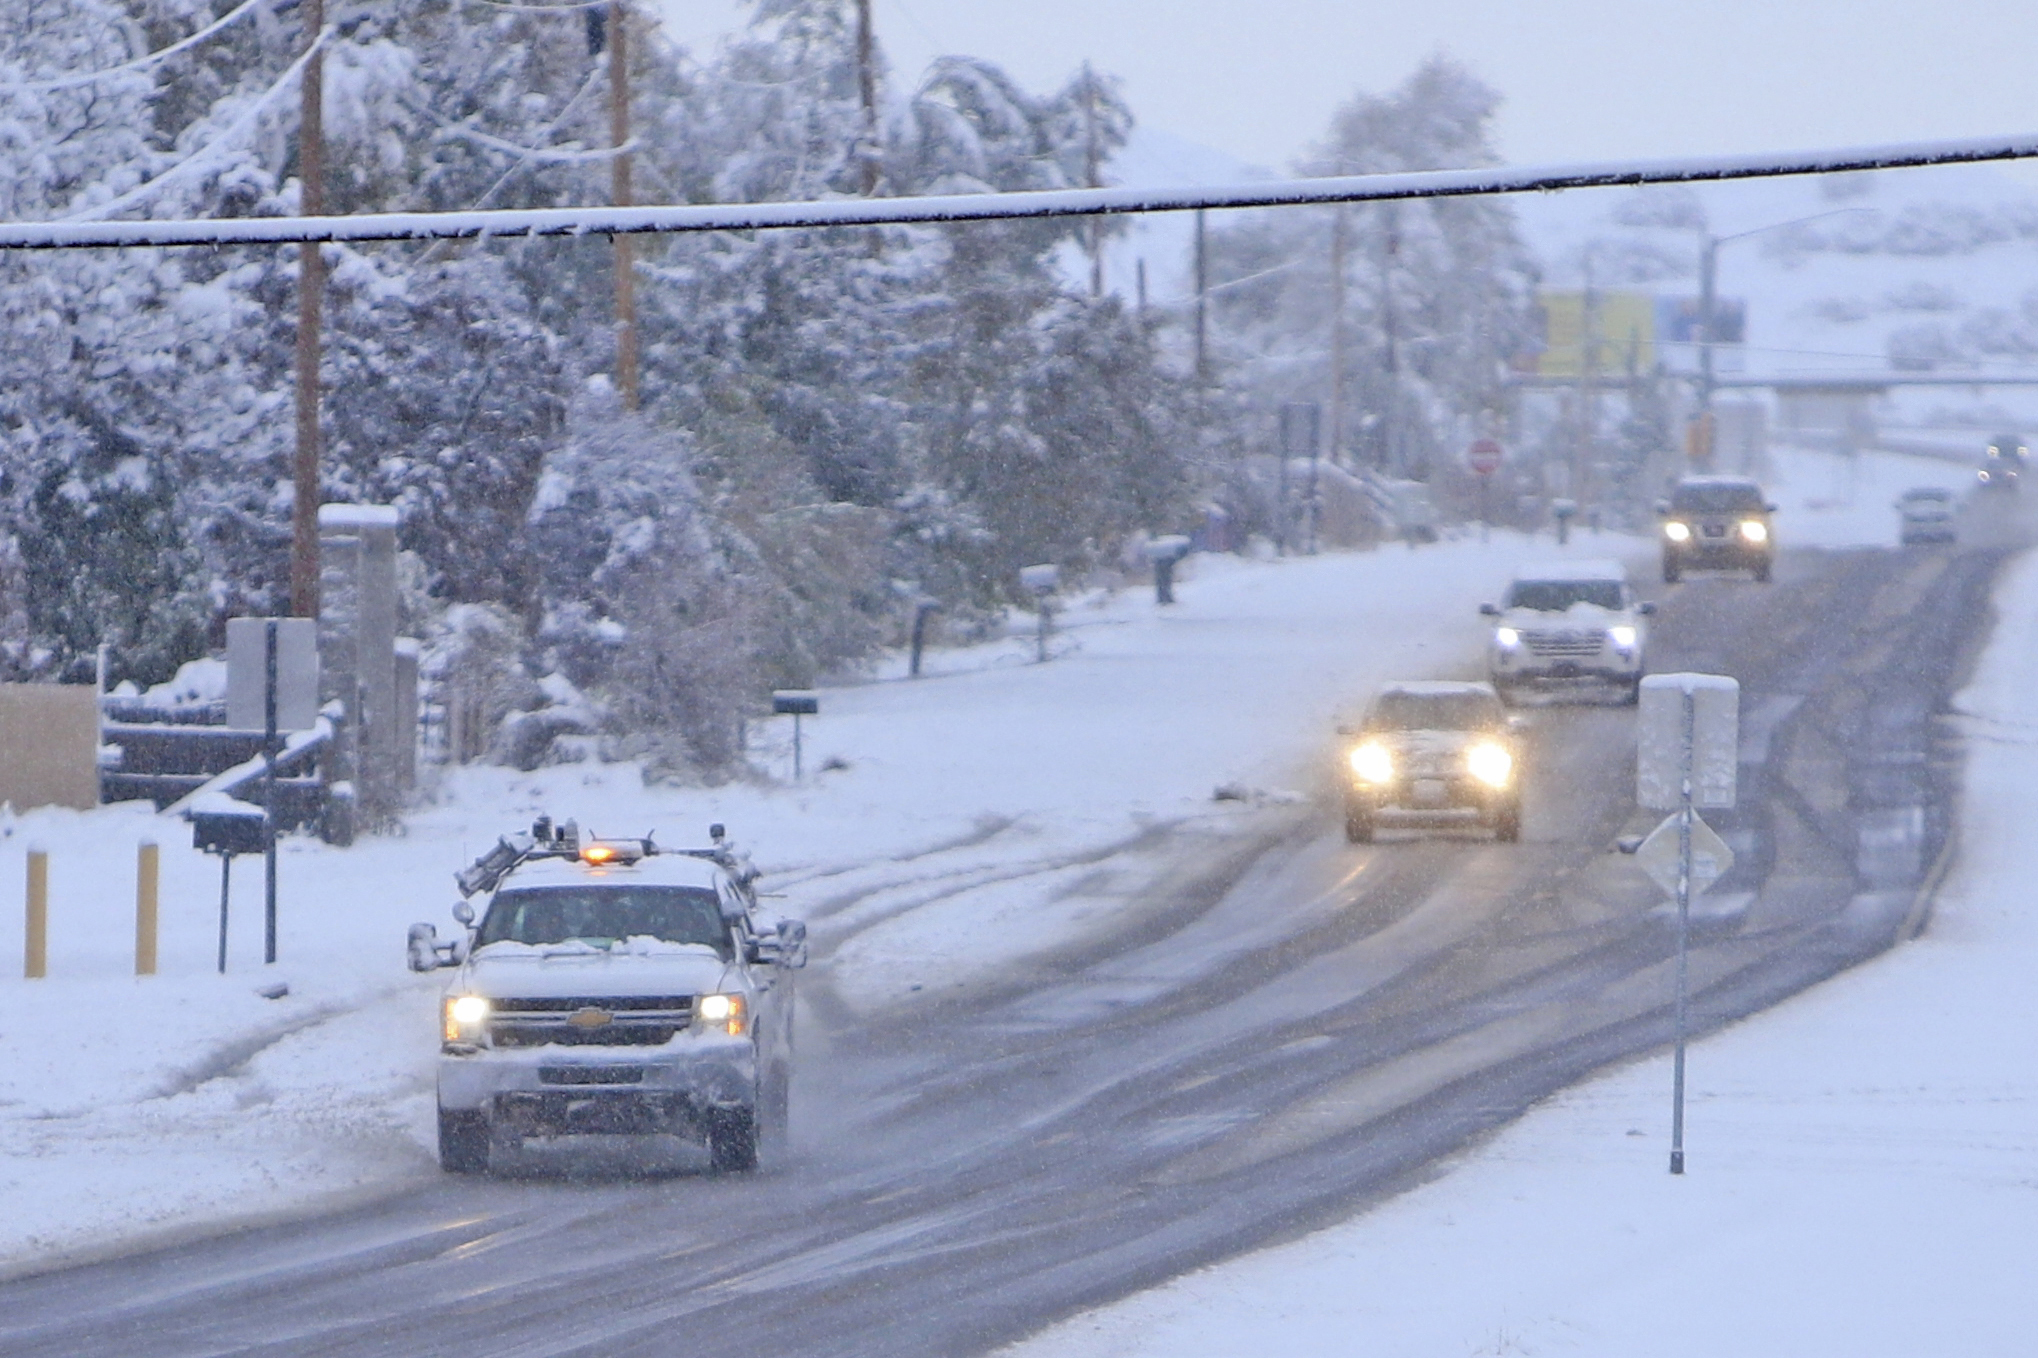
1677, 531
1372, 763
1622, 637
1506, 638
1754, 530
466, 1017
720, 1014
1490, 763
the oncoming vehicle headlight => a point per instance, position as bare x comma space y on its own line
1677, 531
1490, 763
1507, 638
1372, 763
1622, 637
1754, 530
465, 1015
722, 1013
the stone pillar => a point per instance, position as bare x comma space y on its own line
357, 642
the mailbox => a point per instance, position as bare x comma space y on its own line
230, 832
795, 702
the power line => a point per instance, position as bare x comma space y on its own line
65, 82
622, 220
206, 154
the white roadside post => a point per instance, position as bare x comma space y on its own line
1687, 756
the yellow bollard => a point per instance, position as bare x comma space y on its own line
35, 953
145, 866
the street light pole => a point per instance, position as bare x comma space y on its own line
1701, 446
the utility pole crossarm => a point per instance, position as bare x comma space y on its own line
620, 220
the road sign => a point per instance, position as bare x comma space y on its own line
1660, 735
1710, 856
1484, 456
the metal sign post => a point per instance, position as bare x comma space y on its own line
796, 702
268, 805
1687, 756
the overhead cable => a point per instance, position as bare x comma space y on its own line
681, 218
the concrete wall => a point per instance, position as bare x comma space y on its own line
49, 745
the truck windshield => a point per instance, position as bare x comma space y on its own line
1717, 497
1554, 596
605, 914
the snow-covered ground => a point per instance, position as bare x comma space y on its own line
1863, 1173
959, 833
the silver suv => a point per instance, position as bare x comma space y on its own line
611, 986
1569, 624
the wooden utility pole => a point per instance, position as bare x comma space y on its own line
1202, 307
1337, 333
311, 286
1390, 246
866, 88
620, 194
1091, 168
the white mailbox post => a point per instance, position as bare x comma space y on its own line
1687, 755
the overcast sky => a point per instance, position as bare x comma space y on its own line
1583, 79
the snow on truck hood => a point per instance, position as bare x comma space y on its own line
632, 967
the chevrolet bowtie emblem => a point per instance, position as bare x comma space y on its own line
590, 1018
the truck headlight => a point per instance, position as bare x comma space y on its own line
465, 1015
1506, 638
1490, 763
1676, 531
1754, 530
1372, 763
1622, 637
720, 1013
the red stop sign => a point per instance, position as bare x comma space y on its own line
1484, 456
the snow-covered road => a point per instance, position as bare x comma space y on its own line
1055, 1030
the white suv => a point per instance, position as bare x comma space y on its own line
1569, 624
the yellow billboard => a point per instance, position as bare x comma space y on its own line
1604, 332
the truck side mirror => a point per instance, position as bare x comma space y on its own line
463, 912
792, 942
1646, 609
422, 945
1488, 611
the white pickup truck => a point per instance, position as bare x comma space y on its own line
611, 987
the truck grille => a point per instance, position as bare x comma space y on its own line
634, 1021
1564, 645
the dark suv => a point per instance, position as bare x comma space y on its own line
1713, 523
2002, 466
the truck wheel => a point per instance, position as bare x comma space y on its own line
1506, 692
463, 1142
1633, 695
732, 1140
1358, 826
1762, 572
1507, 824
1671, 572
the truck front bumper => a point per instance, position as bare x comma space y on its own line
557, 1091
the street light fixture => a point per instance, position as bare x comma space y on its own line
1708, 272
